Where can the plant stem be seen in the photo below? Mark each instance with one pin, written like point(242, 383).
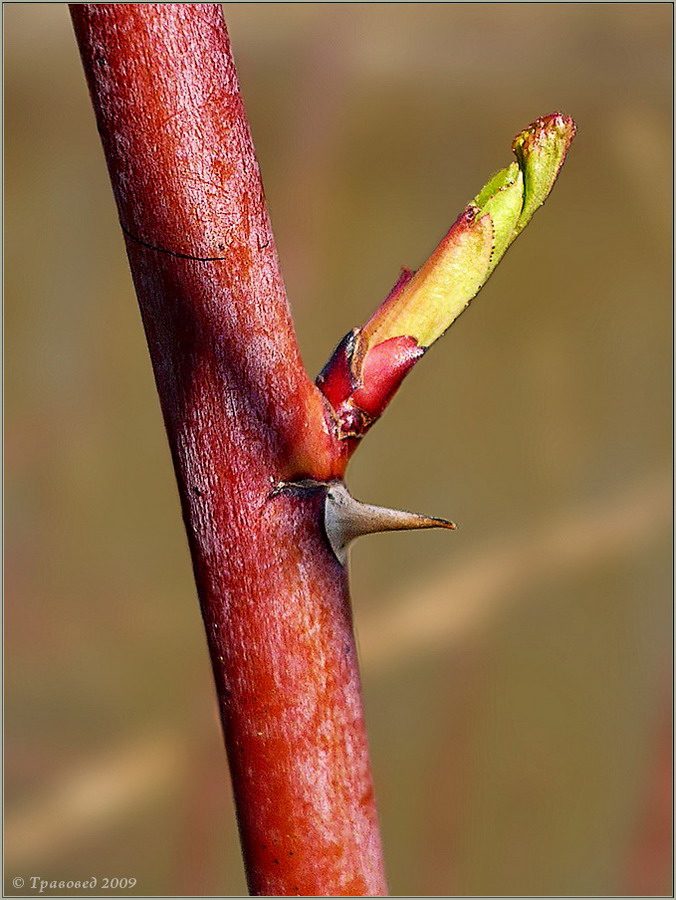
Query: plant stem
point(241, 415)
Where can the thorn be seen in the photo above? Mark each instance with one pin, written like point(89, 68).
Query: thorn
point(346, 519)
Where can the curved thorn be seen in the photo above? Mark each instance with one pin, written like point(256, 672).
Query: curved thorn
point(346, 519)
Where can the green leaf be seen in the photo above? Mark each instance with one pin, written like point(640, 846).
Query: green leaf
point(424, 305)
point(441, 289)
point(541, 150)
point(502, 200)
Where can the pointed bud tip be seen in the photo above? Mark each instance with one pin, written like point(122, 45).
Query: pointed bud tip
point(556, 124)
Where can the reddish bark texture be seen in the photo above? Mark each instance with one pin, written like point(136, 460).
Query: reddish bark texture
point(240, 414)
point(650, 856)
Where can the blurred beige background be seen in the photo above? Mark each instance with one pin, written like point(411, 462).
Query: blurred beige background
point(517, 673)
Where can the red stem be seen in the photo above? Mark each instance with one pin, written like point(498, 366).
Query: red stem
point(240, 414)
point(651, 850)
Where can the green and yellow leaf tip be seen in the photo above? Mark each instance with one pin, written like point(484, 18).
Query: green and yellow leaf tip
point(426, 304)
point(541, 150)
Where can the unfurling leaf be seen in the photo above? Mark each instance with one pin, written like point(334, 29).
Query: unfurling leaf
point(369, 364)
point(541, 150)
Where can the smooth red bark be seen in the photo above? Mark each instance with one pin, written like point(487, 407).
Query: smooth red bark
point(241, 415)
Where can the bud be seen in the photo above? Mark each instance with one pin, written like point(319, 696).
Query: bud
point(369, 364)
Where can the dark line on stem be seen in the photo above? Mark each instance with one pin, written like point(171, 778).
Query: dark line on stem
point(132, 237)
